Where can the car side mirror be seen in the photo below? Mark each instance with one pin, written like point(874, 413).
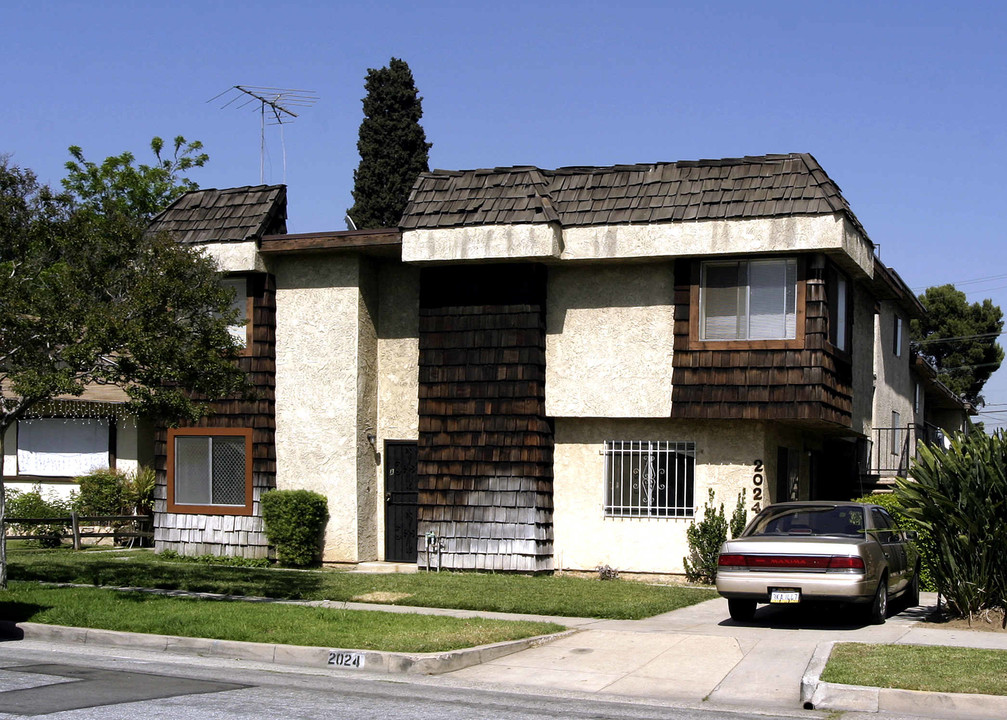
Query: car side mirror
point(912, 535)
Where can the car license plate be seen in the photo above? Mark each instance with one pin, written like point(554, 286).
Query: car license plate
point(784, 596)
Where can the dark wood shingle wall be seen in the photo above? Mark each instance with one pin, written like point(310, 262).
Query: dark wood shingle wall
point(485, 445)
point(224, 534)
point(808, 383)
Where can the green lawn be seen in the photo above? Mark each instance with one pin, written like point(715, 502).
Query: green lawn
point(536, 595)
point(255, 622)
point(919, 667)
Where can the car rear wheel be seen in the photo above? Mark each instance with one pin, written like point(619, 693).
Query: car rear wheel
point(913, 592)
point(879, 606)
point(741, 610)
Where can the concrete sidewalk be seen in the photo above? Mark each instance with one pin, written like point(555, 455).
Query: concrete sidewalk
point(699, 655)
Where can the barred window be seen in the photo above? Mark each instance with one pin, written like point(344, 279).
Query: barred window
point(649, 478)
point(210, 470)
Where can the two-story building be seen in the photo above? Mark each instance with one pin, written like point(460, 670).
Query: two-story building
point(544, 369)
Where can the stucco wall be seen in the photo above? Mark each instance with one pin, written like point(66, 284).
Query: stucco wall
point(719, 237)
point(398, 352)
point(894, 383)
point(863, 350)
point(584, 538)
point(485, 242)
point(322, 345)
point(236, 256)
point(398, 369)
point(610, 334)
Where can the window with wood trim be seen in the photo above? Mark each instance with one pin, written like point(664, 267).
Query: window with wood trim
point(210, 471)
point(242, 305)
point(650, 478)
point(748, 300)
point(837, 289)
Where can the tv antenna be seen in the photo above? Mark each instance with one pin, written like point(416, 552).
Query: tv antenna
point(279, 102)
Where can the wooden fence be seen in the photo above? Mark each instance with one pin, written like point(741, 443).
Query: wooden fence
point(141, 527)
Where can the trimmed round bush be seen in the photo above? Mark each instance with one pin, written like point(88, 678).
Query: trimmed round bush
point(294, 522)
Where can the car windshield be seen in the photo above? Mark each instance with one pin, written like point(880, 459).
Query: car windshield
point(809, 520)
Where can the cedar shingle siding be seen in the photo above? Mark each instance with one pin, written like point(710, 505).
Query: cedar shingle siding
point(233, 215)
point(485, 445)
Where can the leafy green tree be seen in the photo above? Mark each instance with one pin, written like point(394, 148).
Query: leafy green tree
point(88, 298)
point(392, 144)
point(118, 187)
point(959, 339)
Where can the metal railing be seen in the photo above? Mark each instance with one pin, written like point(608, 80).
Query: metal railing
point(891, 449)
point(142, 527)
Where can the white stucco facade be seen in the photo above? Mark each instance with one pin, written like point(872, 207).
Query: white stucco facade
point(727, 453)
point(325, 395)
point(235, 256)
point(610, 335)
point(483, 242)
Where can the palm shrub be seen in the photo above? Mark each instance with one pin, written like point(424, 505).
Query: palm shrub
point(891, 503)
point(959, 498)
point(294, 520)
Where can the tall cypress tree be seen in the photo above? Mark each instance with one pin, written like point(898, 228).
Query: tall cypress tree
point(393, 147)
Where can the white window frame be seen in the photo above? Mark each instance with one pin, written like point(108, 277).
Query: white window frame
point(745, 330)
point(661, 475)
point(897, 340)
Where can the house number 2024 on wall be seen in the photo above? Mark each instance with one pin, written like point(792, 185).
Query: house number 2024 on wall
point(758, 480)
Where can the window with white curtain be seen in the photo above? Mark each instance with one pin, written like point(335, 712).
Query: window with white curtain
point(749, 300)
point(62, 447)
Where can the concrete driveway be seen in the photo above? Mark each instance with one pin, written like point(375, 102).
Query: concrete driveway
point(695, 654)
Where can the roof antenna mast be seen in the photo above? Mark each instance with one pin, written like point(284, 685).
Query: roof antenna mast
point(279, 102)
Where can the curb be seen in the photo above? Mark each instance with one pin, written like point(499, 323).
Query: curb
point(294, 655)
point(818, 695)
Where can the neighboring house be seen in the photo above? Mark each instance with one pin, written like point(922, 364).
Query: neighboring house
point(544, 369)
point(70, 436)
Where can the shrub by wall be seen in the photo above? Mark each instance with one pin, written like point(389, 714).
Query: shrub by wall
point(294, 521)
point(100, 492)
point(890, 502)
point(33, 504)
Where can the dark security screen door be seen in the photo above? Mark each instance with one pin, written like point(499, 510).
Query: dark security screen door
point(400, 501)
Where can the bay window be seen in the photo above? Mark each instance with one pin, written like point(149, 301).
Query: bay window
point(749, 300)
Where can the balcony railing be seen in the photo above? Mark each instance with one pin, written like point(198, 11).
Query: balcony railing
point(891, 449)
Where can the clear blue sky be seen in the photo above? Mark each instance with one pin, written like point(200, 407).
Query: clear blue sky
point(903, 104)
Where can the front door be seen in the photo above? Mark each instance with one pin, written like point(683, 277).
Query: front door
point(400, 501)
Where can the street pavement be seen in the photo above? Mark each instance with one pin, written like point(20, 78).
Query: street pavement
point(692, 657)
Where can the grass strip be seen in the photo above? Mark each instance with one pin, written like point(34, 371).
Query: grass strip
point(934, 668)
point(535, 595)
point(256, 622)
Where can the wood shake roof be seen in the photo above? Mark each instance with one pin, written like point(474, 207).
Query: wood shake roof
point(230, 215)
point(732, 188)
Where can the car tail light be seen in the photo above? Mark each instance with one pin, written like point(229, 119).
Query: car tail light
point(834, 563)
point(842, 563)
point(731, 561)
